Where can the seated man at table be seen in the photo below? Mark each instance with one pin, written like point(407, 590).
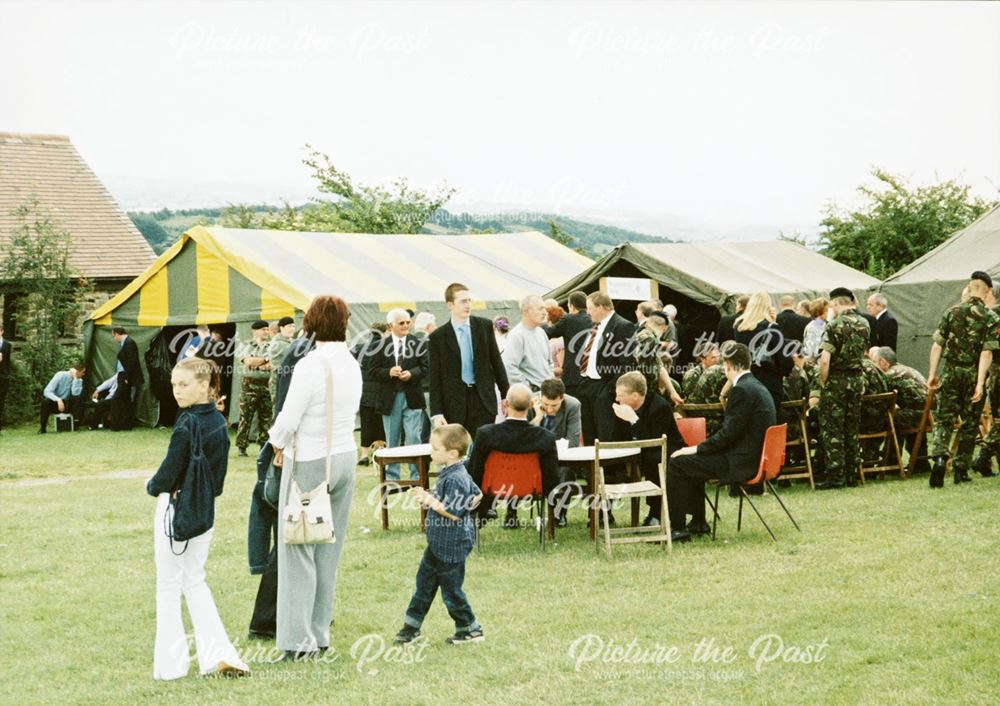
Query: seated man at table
point(515, 435)
point(732, 454)
point(644, 414)
point(560, 414)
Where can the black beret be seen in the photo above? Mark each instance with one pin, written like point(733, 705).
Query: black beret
point(983, 277)
point(841, 292)
point(285, 320)
point(659, 315)
point(259, 324)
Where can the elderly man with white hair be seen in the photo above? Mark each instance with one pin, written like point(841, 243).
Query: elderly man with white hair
point(398, 365)
point(527, 356)
point(886, 328)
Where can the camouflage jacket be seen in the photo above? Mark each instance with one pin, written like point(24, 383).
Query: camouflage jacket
point(876, 382)
point(965, 331)
point(796, 385)
point(910, 386)
point(276, 352)
point(846, 339)
point(709, 387)
point(252, 349)
point(690, 380)
point(646, 350)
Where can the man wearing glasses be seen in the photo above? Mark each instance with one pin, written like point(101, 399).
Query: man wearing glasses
point(398, 365)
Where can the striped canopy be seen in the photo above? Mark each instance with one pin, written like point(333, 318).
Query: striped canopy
point(215, 275)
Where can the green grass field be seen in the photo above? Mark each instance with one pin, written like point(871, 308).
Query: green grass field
point(891, 590)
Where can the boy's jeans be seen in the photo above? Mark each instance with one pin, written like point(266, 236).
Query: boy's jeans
point(449, 576)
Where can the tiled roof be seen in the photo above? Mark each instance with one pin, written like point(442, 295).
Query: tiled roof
point(105, 242)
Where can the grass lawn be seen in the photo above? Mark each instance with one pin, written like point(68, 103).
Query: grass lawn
point(891, 589)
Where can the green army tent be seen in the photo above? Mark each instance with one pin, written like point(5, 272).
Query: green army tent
point(703, 280)
point(222, 275)
point(921, 292)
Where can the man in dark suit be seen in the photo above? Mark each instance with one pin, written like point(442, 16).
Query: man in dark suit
point(644, 414)
point(792, 324)
point(398, 365)
point(129, 379)
point(885, 329)
point(608, 352)
point(574, 328)
point(732, 454)
point(559, 413)
point(4, 372)
point(724, 331)
point(465, 364)
point(515, 435)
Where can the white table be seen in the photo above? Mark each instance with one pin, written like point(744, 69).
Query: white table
point(582, 457)
point(420, 454)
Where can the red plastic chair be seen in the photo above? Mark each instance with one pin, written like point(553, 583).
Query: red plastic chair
point(772, 458)
point(518, 476)
point(693, 430)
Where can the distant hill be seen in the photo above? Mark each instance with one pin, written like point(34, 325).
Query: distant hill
point(162, 228)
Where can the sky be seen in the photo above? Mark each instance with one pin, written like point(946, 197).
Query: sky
point(651, 115)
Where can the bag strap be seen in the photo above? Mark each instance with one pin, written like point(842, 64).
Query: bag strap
point(329, 418)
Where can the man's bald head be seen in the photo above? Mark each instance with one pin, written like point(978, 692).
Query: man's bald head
point(518, 400)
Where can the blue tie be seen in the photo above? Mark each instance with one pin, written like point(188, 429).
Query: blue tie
point(550, 423)
point(465, 346)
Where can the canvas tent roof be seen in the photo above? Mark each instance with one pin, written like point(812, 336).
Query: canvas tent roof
point(714, 274)
point(218, 275)
point(921, 292)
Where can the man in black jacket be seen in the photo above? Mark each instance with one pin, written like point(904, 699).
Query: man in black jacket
point(644, 414)
point(465, 364)
point(515, 435)
point(398, 365)
point(724, 332)
point(608, 352)
point(732, 454)
point(574, 328)
point(4, 372)
point(791, 323)
point(129, 379)
point(885, 330)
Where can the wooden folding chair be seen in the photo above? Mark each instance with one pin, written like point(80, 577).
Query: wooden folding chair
point(798, 409)
point(885, 405)
point(606, 493)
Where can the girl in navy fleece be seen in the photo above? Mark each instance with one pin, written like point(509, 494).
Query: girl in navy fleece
point(181, 569)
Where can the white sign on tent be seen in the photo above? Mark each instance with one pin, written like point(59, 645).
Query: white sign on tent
point(629, 288)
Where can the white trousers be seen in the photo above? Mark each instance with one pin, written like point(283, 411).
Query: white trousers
point(185, 574)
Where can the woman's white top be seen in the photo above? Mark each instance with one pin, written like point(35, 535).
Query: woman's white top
point(303, 416)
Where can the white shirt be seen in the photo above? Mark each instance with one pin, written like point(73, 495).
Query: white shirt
point(303, 417)
point(397, 346)
point(737, 380)
point(591, 371)
point(879, 315)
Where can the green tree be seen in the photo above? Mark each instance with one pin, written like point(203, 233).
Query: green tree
point(397, 208)
point(35, 266)
point(897, 223)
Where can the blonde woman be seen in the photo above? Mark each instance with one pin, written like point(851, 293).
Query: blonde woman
point(770, 360)
point(813, 336)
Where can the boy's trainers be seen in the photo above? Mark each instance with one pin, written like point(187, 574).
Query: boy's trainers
point(463, 637)
point(407, 634)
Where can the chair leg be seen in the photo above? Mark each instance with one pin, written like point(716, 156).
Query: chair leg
point(479, 548)
point(782, 503)
point(541, 529)
point(607, 527)
point(715, 512)
point(715, 508)
point(739, 518)
point(759, 516)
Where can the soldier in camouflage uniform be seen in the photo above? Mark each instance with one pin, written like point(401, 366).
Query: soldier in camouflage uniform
point(276, 351)
point(845, 341)
point(707, 391)
point(255, 399)
point(648, 353)
point(991, 444)
point(964, 343)
point(709, 357)
point(873, 417)
point(911, 395)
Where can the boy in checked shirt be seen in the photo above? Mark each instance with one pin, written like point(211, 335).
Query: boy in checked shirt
point(450, 536)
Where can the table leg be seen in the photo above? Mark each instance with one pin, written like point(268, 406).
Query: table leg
point(383, 494)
